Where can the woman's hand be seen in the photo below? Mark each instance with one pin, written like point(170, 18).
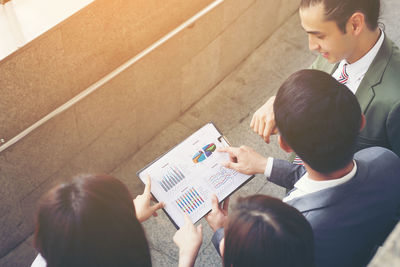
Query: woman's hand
point(142, 203)
point(188, 239)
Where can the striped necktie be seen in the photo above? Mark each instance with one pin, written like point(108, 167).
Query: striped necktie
point(344, 77)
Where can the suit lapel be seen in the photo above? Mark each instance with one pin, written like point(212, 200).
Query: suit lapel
point(331, 196)
point(365, 92)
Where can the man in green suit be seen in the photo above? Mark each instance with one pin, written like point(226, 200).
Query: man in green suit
point(355, 51)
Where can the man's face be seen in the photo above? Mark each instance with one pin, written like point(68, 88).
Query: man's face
point(324, 36)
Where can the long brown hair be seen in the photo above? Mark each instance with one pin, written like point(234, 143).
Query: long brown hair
point(90, 221)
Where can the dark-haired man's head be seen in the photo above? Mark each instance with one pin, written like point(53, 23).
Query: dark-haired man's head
point(319, 119)
point(90, 221)
point(334, 27)
point(340, 11)
point(264, 231)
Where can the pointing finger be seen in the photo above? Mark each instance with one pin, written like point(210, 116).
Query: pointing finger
point(187, 220)
point(253, 120)
point(224, 149)
point(255, 128)
point(232, 151)
point(267, 132)
point(147, 188)
point(232, 165)
point(158, 206)
point(214, 203)
point(261, 127)
point(200, 229)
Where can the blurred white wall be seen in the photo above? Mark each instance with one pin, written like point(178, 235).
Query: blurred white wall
point(21, 21)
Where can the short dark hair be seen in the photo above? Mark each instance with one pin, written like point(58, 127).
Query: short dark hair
point(341, 10)
point(319, 118)
point(90, 221)
point(264, 231)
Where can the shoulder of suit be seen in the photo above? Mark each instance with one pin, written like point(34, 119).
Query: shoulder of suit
point(389, 57)
point(378, 154)
point(393, 46)
point(390, 52)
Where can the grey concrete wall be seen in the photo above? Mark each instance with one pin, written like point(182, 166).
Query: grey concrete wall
point(123, 115)
point(78, 52)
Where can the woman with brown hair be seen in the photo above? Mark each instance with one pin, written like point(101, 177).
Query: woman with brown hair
point(92, 221)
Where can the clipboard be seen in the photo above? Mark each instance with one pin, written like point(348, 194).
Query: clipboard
point(186, 176)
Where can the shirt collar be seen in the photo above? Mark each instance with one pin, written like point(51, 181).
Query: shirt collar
point(308, 185)
point(358, 69)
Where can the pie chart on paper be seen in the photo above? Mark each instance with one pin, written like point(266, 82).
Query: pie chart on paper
point(204, 153)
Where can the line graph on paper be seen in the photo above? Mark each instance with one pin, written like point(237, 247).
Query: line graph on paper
point(222, 177)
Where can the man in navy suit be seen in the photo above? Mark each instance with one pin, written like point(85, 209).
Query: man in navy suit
point(351, 200)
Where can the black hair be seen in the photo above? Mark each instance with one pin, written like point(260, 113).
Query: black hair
point(264, 231)
point(319, 118)
point(90, 221)
point(341, 10)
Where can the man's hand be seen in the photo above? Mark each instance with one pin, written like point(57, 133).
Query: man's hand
point(263, 121)
point(244, 160)
point(188, 239)
point(142, 203)
point(217, 217)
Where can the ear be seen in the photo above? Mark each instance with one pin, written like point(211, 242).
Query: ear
point(282, 143)
point(356, 23)
point(363, 122)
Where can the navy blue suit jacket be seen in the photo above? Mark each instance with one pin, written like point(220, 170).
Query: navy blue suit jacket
point(350, 220)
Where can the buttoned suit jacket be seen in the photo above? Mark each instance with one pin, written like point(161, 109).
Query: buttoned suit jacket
point(350, 220)
point(379, 97)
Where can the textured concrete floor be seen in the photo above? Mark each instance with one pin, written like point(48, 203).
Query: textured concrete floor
point(230, 106)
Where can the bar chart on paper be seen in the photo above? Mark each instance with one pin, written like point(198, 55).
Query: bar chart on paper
point(190, 201)
point(186, 177)
point(171, 177)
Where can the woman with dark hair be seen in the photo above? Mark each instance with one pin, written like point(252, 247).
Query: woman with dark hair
point(261, 231)
point(92, 221)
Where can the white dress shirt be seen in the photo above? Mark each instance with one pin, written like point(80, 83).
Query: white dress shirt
point(305, 185)
point(357, 70)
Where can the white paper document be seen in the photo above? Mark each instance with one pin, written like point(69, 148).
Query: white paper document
point(186, 177)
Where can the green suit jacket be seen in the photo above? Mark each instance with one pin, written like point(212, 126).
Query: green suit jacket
point(379, 98)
